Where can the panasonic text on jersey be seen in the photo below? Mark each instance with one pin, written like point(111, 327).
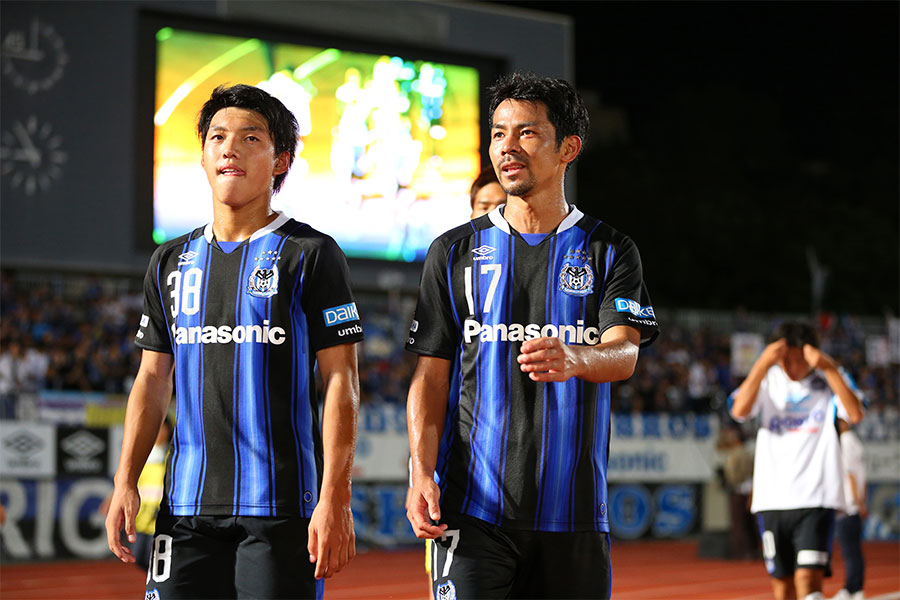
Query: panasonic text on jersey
point(517, 332)
point(225, 334)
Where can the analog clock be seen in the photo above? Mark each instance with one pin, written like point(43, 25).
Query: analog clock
point(33, 59)
point(31, 155)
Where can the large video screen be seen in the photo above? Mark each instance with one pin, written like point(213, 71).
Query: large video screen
point(390, 141)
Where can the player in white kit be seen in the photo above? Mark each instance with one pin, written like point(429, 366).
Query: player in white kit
point(797, 391)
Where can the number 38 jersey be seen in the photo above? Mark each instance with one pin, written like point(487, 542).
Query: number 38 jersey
point(244, 328)
point(515, 452)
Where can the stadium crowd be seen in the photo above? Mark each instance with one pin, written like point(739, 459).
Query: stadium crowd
point(76, 333)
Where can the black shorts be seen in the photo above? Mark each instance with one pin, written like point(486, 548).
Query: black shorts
point(796, 539)
point(474, 559)
point(231, 557)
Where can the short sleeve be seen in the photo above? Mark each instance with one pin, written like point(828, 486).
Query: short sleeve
point(153, 332)
point(434, 330)
point(626, 300)
point(326, 297)
point(841, 410)
point(762, 397)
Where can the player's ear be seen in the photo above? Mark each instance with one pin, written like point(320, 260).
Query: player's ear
point(281, 163)
point(571, 147)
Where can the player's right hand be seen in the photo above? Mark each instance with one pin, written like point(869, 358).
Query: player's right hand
point(123, 508)
point(774, 352)
point(423, 507)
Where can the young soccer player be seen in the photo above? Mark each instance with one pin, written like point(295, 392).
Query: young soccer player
point(524, 316)
point(796, 390)
point(257, 500)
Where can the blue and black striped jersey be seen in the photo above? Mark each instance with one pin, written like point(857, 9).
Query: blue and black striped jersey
point(244, 328)
point(515, 452)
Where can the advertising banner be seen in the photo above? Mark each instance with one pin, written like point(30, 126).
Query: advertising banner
point(27, 449)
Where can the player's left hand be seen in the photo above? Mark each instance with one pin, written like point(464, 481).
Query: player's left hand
point(332, 542)
point(816, 358)
point(548, 359)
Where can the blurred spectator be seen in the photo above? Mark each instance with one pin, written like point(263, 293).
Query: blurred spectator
point(76, 332)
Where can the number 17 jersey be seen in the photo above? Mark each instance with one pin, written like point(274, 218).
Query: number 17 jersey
point(515, 452)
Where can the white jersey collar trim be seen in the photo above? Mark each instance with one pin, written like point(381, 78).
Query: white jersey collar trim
point(499, 221)
point(278, 222)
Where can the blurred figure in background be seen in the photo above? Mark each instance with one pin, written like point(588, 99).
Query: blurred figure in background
point(795, 389)
point(849, 525)
point(738, 471)
point(486, 193)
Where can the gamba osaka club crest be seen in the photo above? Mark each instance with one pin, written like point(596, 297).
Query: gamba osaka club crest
point(576, 279)
point(263, 281)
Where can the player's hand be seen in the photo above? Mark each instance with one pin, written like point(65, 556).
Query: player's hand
point(548, 359)
point(332, 541)
point(773, 353)
point(816, 358)
point(123, 508)
point(422, 508)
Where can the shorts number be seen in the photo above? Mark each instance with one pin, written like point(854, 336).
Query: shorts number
point(453, 536)
point(768, 544)
point(160, 559)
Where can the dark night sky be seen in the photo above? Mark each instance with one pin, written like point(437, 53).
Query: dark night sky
point(756, 130)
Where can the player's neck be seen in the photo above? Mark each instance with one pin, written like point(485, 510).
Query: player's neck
point(535, 215)
point(235, 224)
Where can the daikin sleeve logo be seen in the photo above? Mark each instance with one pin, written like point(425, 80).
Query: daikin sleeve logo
point(340, 314)
point(635, 308)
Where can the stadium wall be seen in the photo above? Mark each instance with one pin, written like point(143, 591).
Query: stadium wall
point(56, 473)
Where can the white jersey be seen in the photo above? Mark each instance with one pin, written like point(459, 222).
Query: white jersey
point(798, 460)
point(852, 452)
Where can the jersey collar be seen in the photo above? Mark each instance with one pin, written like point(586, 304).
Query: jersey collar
point(278, 222)
point(497, 218)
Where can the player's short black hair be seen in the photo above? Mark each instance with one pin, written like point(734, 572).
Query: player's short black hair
point(796, 334)
point(283, 126)
point(565, 108)
point(484, 178)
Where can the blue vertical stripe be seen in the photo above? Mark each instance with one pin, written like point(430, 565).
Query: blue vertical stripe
point(309, 479)
point(474, 450)
point(562, 404)
point(236, 405)
point(449, 422)
point(545, 430)
point(487, 438)
point(510, 364)
point(273, 490)
point(602, 414)
point(188, 470)
point(299, 391)
point(255, 488)
point(199, 383)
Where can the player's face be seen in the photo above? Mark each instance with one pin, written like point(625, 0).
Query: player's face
point(794, 364)
point(487, 199)
point(239, 158)
point(524, 150)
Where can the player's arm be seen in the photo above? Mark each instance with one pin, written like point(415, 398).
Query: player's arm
point(613, 359)
point(426, 409)
point(332, 542)
point(745, 395)
point(819, 360)
point(147, 406)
